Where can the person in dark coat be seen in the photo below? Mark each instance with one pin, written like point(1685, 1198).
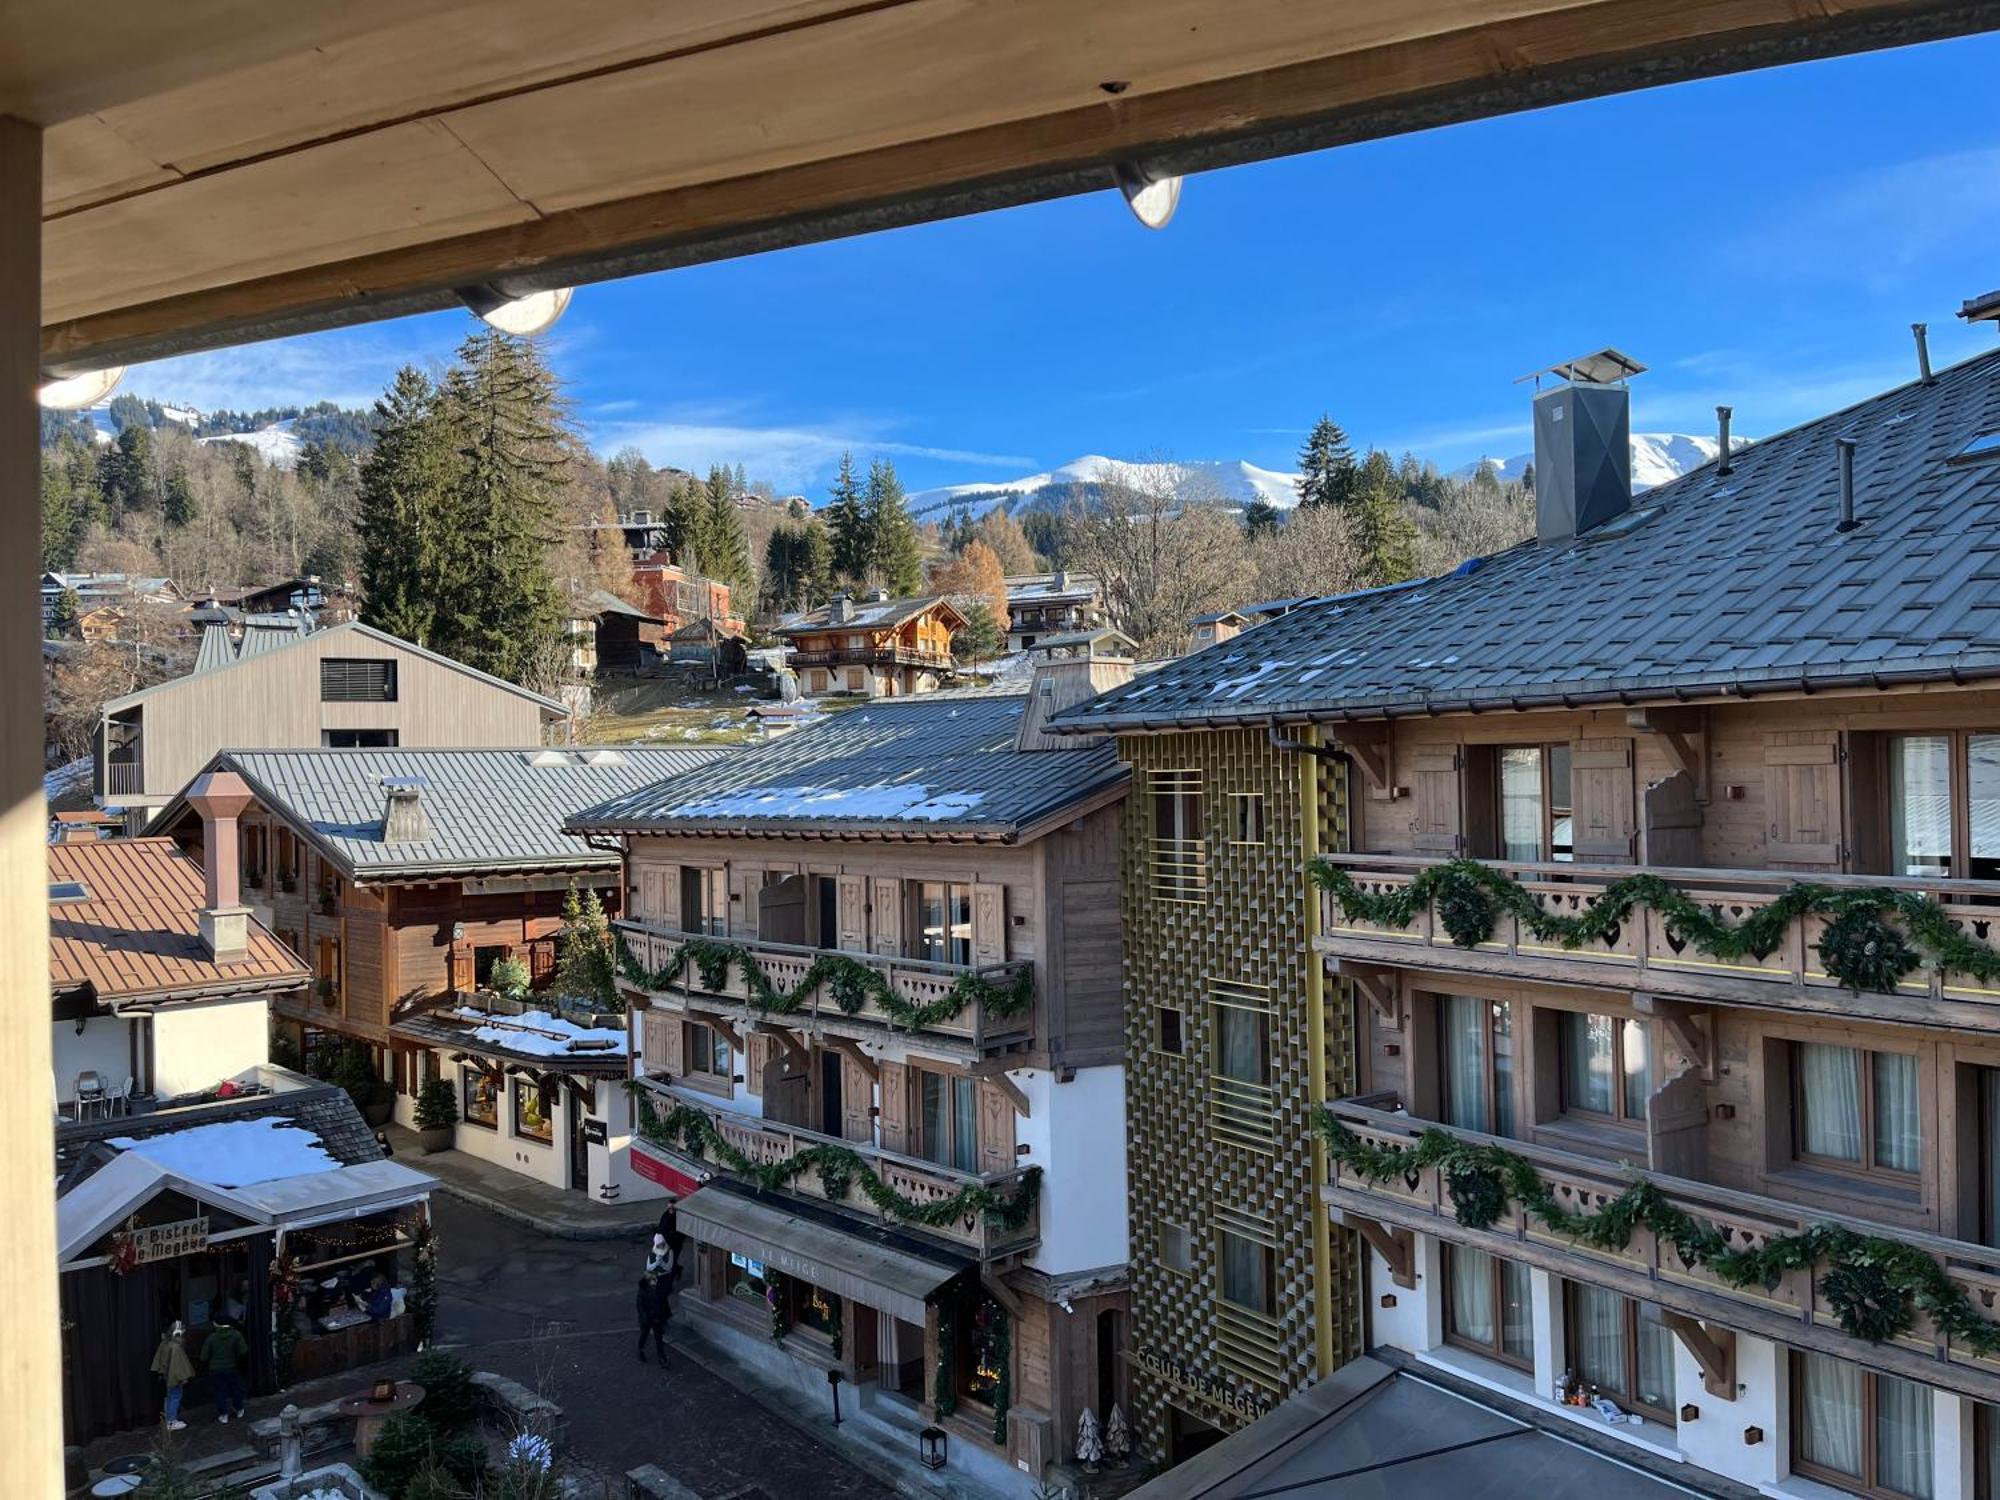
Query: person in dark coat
point(225, 1354)
point(653, 1315)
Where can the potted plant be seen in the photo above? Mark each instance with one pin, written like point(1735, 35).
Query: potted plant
point(355, 1072)
point(437, 1113)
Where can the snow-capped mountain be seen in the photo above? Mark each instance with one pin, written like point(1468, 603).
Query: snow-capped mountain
point(1230, 480)
point(278, 444)
point(1656, 458)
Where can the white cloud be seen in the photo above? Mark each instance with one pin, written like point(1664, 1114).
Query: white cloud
point(350, 367)
point(790, 457)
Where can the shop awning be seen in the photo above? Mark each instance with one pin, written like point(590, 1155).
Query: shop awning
point(323, 1197)
point(103, 1201)
point(840, 1261)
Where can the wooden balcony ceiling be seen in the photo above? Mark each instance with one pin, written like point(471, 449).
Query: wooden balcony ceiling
point(232, 170)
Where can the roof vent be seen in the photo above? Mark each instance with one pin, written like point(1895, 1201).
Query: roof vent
point(404, 820)
point(1583, 444)
point(601, 757)
point(546, 758)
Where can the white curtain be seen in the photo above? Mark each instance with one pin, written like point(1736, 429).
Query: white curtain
point(1599, 1336)
point(1465, 1096)
point(964, 1124)
point(1587, 1061)
point(1898, 1137)
point(1521, 803)
point(1517, 1325)
point(1920, 803)
point(1656, 1361)
point(1830, 1097)
point(1635, 1043)
point(1240, 1044)
point(1829, 1395)
point(1502, 1016)
point(1903, 1436)
point(1471, 1294)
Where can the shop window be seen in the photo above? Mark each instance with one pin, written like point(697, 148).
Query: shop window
point(1175, 1252)
point(1246, 817)
point(1169, 1030)
point(1619, 1348)
point(704, 900)
point(948, 1120)
point(944, 922)
point(1856, 1110)
point(1863, 1432)
point(1487, 1306)
point(1179, 856)
point(531, 1113)
point(978, 1350)
point(709, 1054)
point(1606, 1066)
point(1476, 1063)
point(812, 1308)
point(746, 1278)
point(482, 1098)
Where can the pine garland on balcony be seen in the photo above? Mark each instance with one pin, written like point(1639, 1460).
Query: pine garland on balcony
point(852, 983)
point(1862, 946)
point(688, 1129)
point(1874, 1285)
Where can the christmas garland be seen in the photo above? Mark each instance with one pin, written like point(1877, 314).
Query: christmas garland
point(852, 984)
point(1873, 1285)
point(839, 1168)
point(284, 1307)
point(423, 1296)
point(774, 1298)
point(1862, 946)
point(1001, 1346)
point(944, 1387)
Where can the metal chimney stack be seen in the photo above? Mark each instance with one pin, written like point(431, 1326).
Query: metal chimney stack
point(1583, 445)
point(1922, 332)
point(1722, 460)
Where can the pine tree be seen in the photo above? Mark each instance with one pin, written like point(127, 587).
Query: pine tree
point(1260, 519)
point(177, 499)
point(411, 552)
point(65, 613)
point(847, 524)
point(1326, 466)
point(584, 965)
point(895, 558)
point(798, 566)
point(1384, 535)
point(62, 514)
point(982, 637)
point(129, 480)
point(681, 521)
point(724, 553)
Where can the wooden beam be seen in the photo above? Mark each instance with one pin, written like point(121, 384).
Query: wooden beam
point(1367, 745)
point(1713, 1348)
point(786, 1039)
point(1396, 1246)
point(1692, 1027)
point(1000, 1292)
point(1014, 1094)
point(1677, 728)
point(1380, 987)
point(722, 1024)
point(850, 1049)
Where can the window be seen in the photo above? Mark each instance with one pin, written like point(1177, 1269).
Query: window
point(1606, 1067)
point(1247, 1270)
point(1986, 1449)
point(253, 856)
point(1179, 855)
point(1477, 1067)
point(746, 1279)
point(358, 739)
point(1987, 1083)
point(1935, 830)
point(1242, 1104)
point(1535, 821)
point(1168, 1029)
point(482, 1098)
point(704, 900)
point(811, 1308)
point(948, 1120)
point(944, 922)
point(1487, 1306)
point(356, 680)
point(531, 1117)
point(1620, 1348)
point(1175, 1252)
point(709, 1054)
point(1855, 1110)
point(1242, 1043)
point(1247, 822)
point(1866, 1433)
point(484, 959)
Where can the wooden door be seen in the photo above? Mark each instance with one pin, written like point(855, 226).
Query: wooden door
point(895, 1116)
point(996, 1130)
point(887, 926)
point(857, 1101)
point(1604, 815)
point(1802, 787)
point(853, 914)
point(989, 924)
point(1436, 823)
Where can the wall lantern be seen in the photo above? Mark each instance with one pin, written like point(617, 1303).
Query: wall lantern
point(930, 1447)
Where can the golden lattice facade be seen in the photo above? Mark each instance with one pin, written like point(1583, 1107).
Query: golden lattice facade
point(1218, 920)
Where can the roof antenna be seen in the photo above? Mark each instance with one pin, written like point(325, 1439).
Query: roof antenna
point(1843, 447)
point(1923, 333)
point(1722, 416)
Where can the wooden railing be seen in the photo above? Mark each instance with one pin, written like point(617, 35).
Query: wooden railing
point(1585, 1183)
point(915, 980)
point(871, 656)
point(1642, 952)
point(768, 1142)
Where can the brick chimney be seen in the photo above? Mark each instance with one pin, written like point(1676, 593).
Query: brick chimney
point(220, 797)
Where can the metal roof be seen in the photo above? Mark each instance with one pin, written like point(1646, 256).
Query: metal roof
point(1713, 584)
point(930, 767)
point(488, 810)
point(871, 614)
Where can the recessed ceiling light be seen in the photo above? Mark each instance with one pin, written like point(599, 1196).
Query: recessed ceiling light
point(1152, 197)
point(533, 313)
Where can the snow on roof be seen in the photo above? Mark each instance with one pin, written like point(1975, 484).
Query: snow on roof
point(909, 801)
point(234, 1153)
point(541, 1034)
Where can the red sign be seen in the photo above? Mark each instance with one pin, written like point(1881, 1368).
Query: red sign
point(658, 1169)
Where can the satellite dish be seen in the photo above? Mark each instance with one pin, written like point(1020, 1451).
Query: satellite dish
point(74, 392)
point(533, 313)
point(1151, 197)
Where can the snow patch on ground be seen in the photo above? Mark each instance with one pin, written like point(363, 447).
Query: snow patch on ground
point(277, 444)
point(912, 802)
point(235, 1153)
point(67, 779)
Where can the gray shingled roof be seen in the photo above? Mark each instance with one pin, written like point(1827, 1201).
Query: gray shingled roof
point(1714, 583)
point(489, 810)
point(874, 614)
point(936, 766)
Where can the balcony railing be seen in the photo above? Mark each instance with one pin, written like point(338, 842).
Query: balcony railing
point(124, 778)
point(871, 656)
point(768, 1142)
point(1643, 952)
point(1648, 1267)
point(918, 982)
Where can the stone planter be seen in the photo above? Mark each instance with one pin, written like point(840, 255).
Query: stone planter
point(334, 1479)
point(436, 1138)
point(378, 1112)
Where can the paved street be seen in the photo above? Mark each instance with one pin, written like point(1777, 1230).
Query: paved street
point(557, 1315)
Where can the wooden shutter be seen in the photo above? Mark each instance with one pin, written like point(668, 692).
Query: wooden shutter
point(541, 959)
point(853, 914)
point(661, 1045)
point(989, 924)
point(857, 1100)
point(1604, 820)
point(462, 975)
point(894, 1120)
point(1436, 826)
point(1802, 787)
point(651, 906)
point(756, 1057)
point(996, 1130)
point(887, 926)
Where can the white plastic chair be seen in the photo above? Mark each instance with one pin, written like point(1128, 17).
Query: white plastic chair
point(118, 1098)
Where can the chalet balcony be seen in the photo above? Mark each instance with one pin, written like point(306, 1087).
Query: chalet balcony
point(1645, 953)
point(871, 656)
point(770, 1141)
point(1793, 1311)
point(915, 981)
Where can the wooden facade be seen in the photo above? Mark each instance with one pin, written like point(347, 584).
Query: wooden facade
point(890, 660)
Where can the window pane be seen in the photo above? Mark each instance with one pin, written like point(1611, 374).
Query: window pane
point(1561, 838)
point(935, 1133)
point(1599, 1336)
point(1587, 1061)
point(1897, 1136)
point(958, 907)
point(1989, 1157)
point(1920, 804)
point(1521, 803)
point(1902, 1436)
point(1245, 1273)
point(1471, 1294)
point(930, 919)
point(1240, 1044)
point(1829, 1397)
point(1982, 757)
point(1829, 1101)
point(1503, 1067)
point(1635, 1048)
point(1656, 1361)
point(1517, 1326)
point(1465, 1097)
point(964, 1125)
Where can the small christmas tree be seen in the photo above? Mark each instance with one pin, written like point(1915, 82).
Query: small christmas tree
point(1089, 1445)
point(1117, 1435)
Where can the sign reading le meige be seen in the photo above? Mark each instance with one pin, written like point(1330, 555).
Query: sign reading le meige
point(1205, 1387)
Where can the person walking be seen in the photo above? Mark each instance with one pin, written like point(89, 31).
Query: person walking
point(660, 1259)
point(224, 1354)
point(653, 1315)
point(171, 1364)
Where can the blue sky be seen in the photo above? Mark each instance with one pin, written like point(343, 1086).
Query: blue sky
point(1763, 240)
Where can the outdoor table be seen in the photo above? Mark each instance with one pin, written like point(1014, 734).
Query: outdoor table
point(369, 1414)
point(131, 1463)
point(116, 1484)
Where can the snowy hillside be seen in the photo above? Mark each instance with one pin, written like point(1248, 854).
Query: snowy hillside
point(278, 444)
point(1231, 480)
point(1656, 458)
